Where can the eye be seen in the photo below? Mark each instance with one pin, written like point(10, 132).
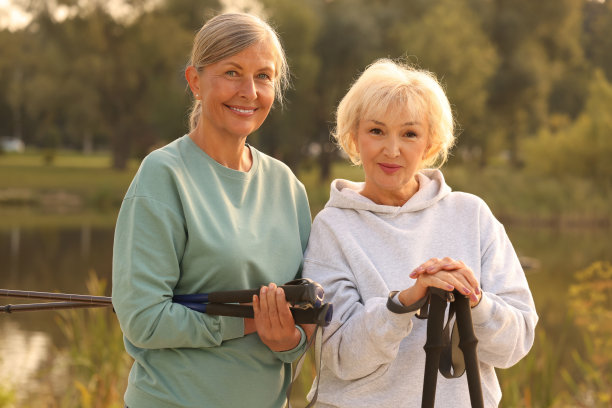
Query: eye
point(376, 131)
point(231, 73)
point(264, 76)
point(410, 134)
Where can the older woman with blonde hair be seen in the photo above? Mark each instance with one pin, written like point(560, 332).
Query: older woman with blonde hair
point(209, 213)
point(379, 245)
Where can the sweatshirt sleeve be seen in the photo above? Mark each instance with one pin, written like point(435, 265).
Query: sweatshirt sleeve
point(363, 336)
point(149, 241)
point(505, 319)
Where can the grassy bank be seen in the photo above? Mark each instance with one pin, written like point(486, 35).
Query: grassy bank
point(38, 191)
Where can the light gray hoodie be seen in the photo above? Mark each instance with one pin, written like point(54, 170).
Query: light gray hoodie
point(360, 251)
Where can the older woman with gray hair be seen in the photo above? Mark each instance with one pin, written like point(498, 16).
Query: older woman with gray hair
point(379, 245)
point(199, 218)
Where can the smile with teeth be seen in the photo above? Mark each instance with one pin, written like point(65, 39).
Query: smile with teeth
point(241, 110)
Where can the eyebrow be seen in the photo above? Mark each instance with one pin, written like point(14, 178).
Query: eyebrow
point(403, 124)
point(264, 68)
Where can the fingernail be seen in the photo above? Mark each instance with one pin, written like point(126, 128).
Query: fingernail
point(413, 274)
point(450, 287)
point(264, 290)
point(477, 290)
point(466, 291)
point(279, 292)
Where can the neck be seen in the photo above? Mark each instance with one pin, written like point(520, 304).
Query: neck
point(229, 152)
point(394, 198)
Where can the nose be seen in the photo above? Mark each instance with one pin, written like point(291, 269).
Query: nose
point(247, 89)
point(392, 146)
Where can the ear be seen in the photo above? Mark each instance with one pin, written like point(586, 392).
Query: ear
point(193, 79)
point(353, 137)
point(431, 150)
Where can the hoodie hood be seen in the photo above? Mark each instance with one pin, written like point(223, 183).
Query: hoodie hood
point(432, 188)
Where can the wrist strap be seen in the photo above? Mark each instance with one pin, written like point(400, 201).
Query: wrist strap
point(394, 307)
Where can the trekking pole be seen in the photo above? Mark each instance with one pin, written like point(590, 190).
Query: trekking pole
point(433, 345)
point(439, 343)
point(467, 344)
point(305, 296)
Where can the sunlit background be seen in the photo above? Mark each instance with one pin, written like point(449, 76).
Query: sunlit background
point(89, 87)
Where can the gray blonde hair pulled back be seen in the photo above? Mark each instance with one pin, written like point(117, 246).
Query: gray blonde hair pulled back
point(228, 34)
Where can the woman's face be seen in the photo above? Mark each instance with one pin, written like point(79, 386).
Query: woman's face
point(237, 92)
point(392, 147)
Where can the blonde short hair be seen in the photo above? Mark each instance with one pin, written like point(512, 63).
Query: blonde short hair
point(228, 34)
point(386, 86)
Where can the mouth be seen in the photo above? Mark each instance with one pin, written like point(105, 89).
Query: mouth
point(389, 168)
point(241, 110)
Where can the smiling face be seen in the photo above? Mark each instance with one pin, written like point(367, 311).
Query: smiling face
point(392, 147)
point(236, 92)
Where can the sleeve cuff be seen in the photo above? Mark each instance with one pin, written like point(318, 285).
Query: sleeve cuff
point(289, 356)
point(482, 311)
point(395, 306)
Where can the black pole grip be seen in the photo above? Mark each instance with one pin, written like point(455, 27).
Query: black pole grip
point(296, 292)
point(316, 315)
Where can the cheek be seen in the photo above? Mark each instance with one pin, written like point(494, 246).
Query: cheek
point(266, 96)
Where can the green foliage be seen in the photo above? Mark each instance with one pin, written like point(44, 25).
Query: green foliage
point(582, 148)
point(7, 397)
point(96, 80)
point(590, 303)
point(534, 382)
point(98, 363)
point(466, 81)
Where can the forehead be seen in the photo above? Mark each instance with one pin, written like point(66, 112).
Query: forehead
point(261, 55)
point(396, 113)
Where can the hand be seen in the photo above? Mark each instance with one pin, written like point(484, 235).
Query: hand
point(273, 319)
point(447, 274)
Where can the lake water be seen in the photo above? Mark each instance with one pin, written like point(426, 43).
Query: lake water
point(60, 259)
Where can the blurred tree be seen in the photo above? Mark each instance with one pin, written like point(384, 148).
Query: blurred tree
point(510, 68)
point(12, 70)
point(582, 148)
point(598, 34)
point(190, 14)
point(287, 131)
point(535, 41)
point(350, 38)
point(449, 41)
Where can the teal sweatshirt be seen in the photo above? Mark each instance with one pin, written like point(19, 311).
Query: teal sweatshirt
point(190, 225)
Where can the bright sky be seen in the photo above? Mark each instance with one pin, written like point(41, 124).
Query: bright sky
point(11, 17)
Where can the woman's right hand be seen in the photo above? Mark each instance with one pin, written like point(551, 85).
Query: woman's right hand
point(446, 274)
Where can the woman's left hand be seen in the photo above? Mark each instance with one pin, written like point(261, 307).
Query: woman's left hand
point(273, 319)
point(464, 278)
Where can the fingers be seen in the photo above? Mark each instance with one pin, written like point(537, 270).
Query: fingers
point(273, 319)
point(435, 265)
point(450, 280)
point(449, 274)
point(272, 307)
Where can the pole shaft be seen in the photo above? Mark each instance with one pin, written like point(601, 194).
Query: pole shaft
point(433, 348)
point(55, 296)
point(47, 306)
point(467, 344)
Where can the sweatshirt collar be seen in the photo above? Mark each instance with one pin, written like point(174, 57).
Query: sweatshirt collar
point(432, 188)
